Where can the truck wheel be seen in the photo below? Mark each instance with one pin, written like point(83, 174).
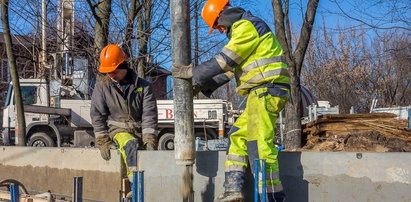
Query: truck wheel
point(41, 139)
point(166, 142)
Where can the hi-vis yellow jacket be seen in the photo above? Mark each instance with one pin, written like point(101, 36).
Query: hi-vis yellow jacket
point(253, 55)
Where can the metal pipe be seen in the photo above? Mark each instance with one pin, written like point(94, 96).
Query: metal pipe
point(78, 189)
point(263, 197)
point(182, 88)
point(14, 193)
point(140, 186)
point(256, 180)
point(184, 151)
point(256, 162)
point(134, 187)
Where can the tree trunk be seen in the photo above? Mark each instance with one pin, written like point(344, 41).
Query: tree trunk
point(135, 8)
point(21, 127)
point(144, 31)
point(294, 60)
point(292, 135)
point(101, 27)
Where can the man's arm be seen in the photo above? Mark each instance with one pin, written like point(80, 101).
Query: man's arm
point(149, 117)
point(241, 45)
point(215, 82)
point(99, 112)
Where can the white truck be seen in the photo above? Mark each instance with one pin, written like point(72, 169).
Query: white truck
point(69, 124)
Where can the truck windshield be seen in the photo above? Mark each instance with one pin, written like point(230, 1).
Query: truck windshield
point(29, 95)
point(8, 96)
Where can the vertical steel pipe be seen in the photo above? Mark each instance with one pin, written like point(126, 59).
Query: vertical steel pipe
point(182, 88)
point(134, 187)
point(14, 193)
point(78, 189)
point(263, 193)
point(140, 186)
point(256, 172)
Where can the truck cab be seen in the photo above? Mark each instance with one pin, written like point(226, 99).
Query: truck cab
point(33, 92)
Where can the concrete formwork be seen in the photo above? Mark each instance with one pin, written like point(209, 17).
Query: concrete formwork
point(306, 176)
point(43, 169)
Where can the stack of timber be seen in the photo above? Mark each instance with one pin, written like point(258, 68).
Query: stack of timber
point(378, 132)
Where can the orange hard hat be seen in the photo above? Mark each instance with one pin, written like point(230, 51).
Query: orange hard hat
point(211, 11)
point(110, 58)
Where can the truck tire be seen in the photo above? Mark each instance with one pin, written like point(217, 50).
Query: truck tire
point(166, 142)
point(41, 139)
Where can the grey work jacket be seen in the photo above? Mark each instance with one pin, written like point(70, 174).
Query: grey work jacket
point(133, 111)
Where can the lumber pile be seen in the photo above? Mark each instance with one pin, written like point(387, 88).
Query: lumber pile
point(378, 132)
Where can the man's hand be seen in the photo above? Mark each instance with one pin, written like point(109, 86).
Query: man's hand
point(104, 144)
point(182, 71)
point(150, 141)
point(196, 89)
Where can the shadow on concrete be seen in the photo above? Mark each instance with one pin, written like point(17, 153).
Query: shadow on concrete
point(205, 168)
point(292, 176)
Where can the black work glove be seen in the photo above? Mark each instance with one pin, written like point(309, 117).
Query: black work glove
point(104, 144)
point(196, 89)
point(150, 141)
point(182, 71)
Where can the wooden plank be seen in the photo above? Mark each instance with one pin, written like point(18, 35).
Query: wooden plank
point(47, 110)
point(358, 116)
point(6, 196)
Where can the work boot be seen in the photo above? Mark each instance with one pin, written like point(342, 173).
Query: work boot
point(230, 197)
point(129, 195)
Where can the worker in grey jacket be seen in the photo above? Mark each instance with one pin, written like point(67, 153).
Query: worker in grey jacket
point(123, 109)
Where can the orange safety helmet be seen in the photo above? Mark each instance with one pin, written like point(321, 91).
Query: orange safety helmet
point(211, 11)
point(110, 58)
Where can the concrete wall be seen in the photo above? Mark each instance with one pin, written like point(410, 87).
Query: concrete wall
point(53, 169)
point(306, 176)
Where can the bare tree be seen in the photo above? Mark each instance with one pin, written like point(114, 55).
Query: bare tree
point(135, 7)
point(21, 133)
point(294, 59)
point(376, 14)
point(349, 69)
point(101, 11)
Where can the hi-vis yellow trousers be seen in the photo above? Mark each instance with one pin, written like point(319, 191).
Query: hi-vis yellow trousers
point(128, 146)
point(252, 137)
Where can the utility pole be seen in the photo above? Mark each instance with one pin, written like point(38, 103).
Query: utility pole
point(183, 94)
point(45, 72)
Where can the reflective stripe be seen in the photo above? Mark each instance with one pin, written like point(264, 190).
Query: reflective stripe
point(137, 90)
point(125, 125)
point(272, 176)
point(235, 167)
point(150, 130)
point(229, 74)
point(222, 63)
point(100, 133)
point(130, 169)
point(232, 157)
point(231, 54)
point(261, 62)
point(254, 81)
point(274, 188)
